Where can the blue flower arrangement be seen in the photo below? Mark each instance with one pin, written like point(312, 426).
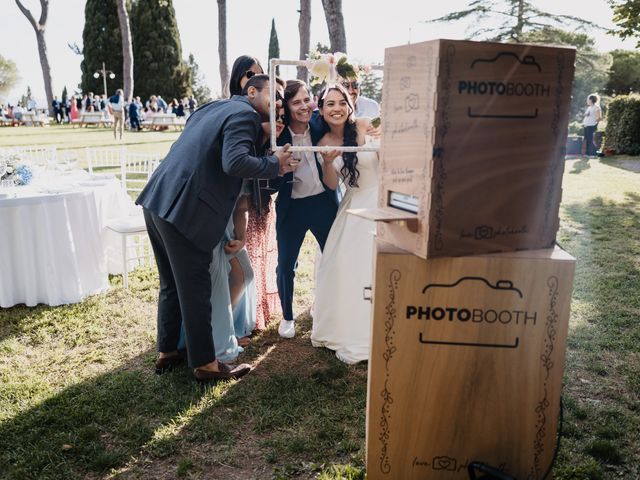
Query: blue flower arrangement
point(22, 175)
point(13, 171)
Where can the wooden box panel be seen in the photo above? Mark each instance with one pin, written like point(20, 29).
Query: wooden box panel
point(476, 131)
point(466, 363)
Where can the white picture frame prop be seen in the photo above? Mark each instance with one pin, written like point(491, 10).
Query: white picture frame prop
point(272, 112)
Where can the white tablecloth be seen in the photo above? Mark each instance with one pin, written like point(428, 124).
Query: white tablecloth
point(54, 247)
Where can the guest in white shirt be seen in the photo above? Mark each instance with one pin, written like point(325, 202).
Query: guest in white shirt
point(592, 116)
point(17, 112)
point(116, 108)
point(364, 107)
point(305, 202)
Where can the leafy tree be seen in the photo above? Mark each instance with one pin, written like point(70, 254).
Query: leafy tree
point(371, 85)
point(8, 75)
point(516, 17)
point(200, 90)
point(25, 97)
point(274, 45)
point(39, 27)
point(624, 74)
point(157, 52)
point(626, 14)
point(591, 66)
point(65, 94)
point(322, 48)
point(101, 44)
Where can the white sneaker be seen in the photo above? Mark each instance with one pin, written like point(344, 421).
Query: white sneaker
point(287, 328)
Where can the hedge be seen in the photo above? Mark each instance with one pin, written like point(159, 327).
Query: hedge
point(622, 134)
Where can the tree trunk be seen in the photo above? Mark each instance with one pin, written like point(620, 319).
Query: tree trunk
point(520, 25)
point(127, 50)
point(39, 28)
point(304, 27)
point(222, 47)
point(335, 24)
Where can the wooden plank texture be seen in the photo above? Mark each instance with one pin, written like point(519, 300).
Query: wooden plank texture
point(466, 363)
point(478, 131)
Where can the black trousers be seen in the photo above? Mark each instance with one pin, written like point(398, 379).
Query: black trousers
point(588, 137)
point(185, 291)
point(316, 214)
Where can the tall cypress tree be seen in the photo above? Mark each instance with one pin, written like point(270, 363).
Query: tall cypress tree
point(201, 91)
point(274, 45)
point(102, 43)
point(157, 52)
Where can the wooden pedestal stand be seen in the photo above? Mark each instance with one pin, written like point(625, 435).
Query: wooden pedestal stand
point(466, 363)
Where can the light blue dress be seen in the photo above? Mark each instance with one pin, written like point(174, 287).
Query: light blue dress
point(229, 324)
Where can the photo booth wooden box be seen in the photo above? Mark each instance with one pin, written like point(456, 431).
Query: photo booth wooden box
point(466, 363)
point(473, 143)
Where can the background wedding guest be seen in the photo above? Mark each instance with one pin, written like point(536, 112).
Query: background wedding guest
point(17, 112)
point(57, 109)
point(187, 204)
point(305, 202)
point(116, 108)
point(73, 108)
point(134, 114)
point(162, 105)
point(364, 106)
point(193, 104)
point(592, 116)
point(32, 105)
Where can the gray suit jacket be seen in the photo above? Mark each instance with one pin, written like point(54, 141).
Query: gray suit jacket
point(196, 186)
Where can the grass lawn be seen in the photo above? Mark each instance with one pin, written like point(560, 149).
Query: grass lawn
point(79, 399)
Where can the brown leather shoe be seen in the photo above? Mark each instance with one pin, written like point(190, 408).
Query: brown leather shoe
point(227, 372)
point(164, 364)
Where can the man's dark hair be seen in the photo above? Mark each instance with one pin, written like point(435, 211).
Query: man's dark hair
point(257, 81)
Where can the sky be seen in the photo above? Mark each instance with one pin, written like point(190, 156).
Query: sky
point(371, 26)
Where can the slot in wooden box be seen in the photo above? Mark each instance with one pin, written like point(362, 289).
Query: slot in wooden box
point(466, 363)
point(472, 149)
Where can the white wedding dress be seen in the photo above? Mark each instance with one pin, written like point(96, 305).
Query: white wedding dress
point(341, 316)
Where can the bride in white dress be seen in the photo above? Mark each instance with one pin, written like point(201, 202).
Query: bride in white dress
point(341, 317)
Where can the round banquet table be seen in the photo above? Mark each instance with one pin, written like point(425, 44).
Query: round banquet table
point(54, 247)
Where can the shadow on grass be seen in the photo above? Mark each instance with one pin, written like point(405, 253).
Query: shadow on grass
point(600, 439)
point(580, 165)
point(628, 163)
point(300, 405)
point(93, 426)
point(607, 248)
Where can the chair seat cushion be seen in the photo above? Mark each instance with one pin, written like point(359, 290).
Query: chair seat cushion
point(128, 224)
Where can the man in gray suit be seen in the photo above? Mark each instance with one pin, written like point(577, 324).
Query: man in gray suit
point(186, 206)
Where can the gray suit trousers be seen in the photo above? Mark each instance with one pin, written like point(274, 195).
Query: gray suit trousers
point(185, 291)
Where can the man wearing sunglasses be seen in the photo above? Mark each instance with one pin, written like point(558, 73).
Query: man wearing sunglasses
point(364, 106)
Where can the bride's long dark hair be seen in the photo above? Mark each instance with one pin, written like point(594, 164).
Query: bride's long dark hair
point(349, 168)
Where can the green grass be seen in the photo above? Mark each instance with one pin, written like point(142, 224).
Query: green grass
point(78, 398)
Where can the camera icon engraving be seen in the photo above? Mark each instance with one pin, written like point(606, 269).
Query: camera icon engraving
point(444, 463)
point(483, 232)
